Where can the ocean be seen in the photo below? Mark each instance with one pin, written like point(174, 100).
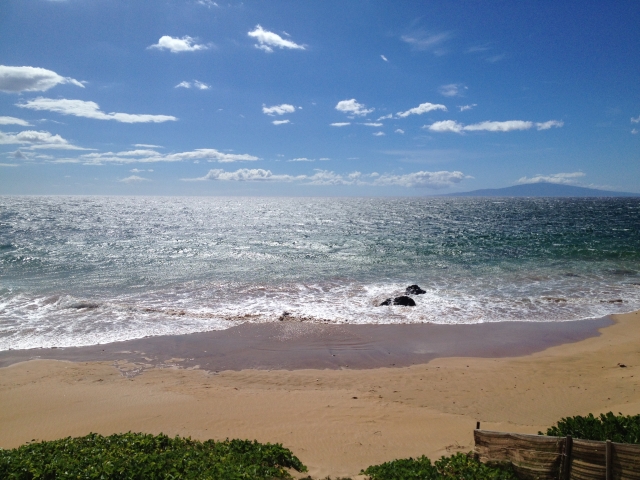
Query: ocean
point(92, 270)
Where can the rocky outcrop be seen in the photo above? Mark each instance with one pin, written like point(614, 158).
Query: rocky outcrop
point(414, 290)
point(403, 301)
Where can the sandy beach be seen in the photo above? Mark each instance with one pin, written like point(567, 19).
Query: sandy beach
point(336, 418)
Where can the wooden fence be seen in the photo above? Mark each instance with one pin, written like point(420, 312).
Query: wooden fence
point(559, 458)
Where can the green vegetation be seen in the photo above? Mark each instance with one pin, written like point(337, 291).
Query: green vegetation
point(456, 467)
point(617, 428)
point(139, 456)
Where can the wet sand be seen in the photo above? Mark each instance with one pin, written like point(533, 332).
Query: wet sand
point(294, 345)
point(337, 419)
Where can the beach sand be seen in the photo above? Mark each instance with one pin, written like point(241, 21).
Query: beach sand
point(339, 419)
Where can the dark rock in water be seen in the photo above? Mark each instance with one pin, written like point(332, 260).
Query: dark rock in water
point(414, 290)
point(81, 305)
point(404, 301)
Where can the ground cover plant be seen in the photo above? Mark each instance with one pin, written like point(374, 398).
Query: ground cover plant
point(137, 456)
point(456, 467)
point(617, 428)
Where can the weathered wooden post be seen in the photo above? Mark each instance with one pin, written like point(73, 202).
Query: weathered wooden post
point(566, 465)
point(609, 460)
point(477, 425)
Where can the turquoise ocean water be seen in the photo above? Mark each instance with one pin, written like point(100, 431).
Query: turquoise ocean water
point(88, 270)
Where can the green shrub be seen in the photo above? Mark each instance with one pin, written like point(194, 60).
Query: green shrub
point(617, 428)
point(456, 467)
point(138, 456)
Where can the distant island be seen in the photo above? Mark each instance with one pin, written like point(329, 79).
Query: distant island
point(542, 189)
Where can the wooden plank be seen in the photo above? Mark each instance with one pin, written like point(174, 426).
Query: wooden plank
point(626, 461)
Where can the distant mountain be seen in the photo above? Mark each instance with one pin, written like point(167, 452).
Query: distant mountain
point(542, 189)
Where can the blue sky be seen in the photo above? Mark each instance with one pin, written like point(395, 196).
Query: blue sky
point(195, 97)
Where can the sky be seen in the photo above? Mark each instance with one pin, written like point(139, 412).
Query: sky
point(359, 98)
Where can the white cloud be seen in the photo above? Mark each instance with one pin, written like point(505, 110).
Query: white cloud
point(549, 124)
point(324, 159)
point(139, 170)
point(352, 107)
point(8, 164)
point(464, 108)
point(81, 108)
point(19, 154)
point(278, 109)
point(146, 145)
point(386, 117)
point(37, 140)
point(150, 156)
point(563, 178)
point(635, 120)
point(245, 175)
point(280, 122)
point(134, 179)
point(340, 124)
point(302, 159)
point(507, 126)
point(384, 58)
point(200, 85)
point(400, 131)
point(422, 108)
point(432, 43)
point(445, 126)
point(183, 84)
point(177, 45)
point(634, 131)
point(207, 3)
point(372, 124)
point(14, 121)
point(422, 179)
point(31, 79)
point(267, 40)
point(451, 90)
point(488, 126)
point(379, 134)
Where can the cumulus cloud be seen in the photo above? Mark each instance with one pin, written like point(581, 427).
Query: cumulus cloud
point(464, 108)
point(280, 122)
point(178, 45)
point(635, 120)
point(634, 131)
point(278, 109)
point(372, 124)
point(302, 159)
point(379, 134)
point(37, 140)
point(352, 107)
point(507, 126)
point(267, 40)
point(562, 178)
point(384, 58)
point(445, 126)
point(489, 126)
point(422, 108)
point(196, 84)
point(400, 131)
point(422, 179)
point(150, 156)
point(81, 108)
point(340, 124)
point(386, 117)
point(14, 121)
point(549, 124)
point(452, 89)
point(428, 42)
point(245, 175)
point(31, 79)
point(134, 179)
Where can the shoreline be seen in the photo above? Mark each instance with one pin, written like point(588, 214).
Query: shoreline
point(337, 421)
point(298, 345)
